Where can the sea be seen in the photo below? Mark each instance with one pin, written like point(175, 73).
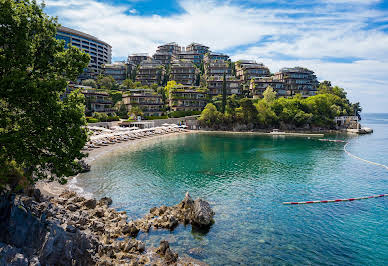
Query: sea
point(246, 178)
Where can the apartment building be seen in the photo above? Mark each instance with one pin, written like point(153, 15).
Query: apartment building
point(248, 69)
point(260, 84)
point(183, 72)
point(198, 48)
point(136, 59)
point(118, 70)
point(215, 85)
point(150, 102)
point(217, 67)
point(187, 98)
point(298, 80)
point(193, 52)
point(172, 48)
point(210, 56)
point(100, 52)
point(150, 72)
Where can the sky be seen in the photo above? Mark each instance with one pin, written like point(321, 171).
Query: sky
point(344, 41)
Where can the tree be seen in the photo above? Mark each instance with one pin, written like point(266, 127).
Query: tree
point(90, 82)
point(171, 84)
point(210, 116)
point(39, 133)
point(247, 111)
point(122, 111)
point(105, 82)
point(269, 94)
point(116, 96)
point(223, 94)
point(357, 109)
point(136, 111)
point(128, 84)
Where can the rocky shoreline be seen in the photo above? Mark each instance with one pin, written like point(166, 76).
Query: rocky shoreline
point(72, 230)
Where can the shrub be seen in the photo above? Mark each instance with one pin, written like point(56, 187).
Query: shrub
point(92, 120)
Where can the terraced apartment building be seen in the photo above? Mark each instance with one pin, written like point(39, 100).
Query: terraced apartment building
point(260, 84)
point(183, 72)
point(217, 67)
point(150, 72)
point(248, 69)
point(298, 80)
point(215, 85)
point(136, 59)
point(166, 53)
point(194, 52)
point(215, 56)
point(187, 98)
point(118, 70)
point(150, 102)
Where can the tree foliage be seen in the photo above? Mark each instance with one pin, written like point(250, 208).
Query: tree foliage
point(38, 132)
point(106, 82)
point(294, 112)
point(90, 82)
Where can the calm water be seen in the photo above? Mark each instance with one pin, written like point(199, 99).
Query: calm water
point(246, 179)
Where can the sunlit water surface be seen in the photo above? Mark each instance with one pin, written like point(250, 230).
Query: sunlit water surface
point(246, 178)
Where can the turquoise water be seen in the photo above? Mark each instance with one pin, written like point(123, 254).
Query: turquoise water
point(246, 178)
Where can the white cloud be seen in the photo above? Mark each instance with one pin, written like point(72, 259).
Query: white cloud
point(334, 28)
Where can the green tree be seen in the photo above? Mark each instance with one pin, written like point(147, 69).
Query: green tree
point(171, 84)
point(247, 111)
point(106, 82)
point(210, 116)
point(269, 94)
point(39, 133)
point(136, 111)
point(128, 84)
point(90, 82)
point(116, 96)
point(223, 94)
point(121, 109)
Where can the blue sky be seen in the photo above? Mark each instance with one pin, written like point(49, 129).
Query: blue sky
point(345, 41)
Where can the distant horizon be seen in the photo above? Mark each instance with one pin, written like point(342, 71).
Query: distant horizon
point(341, 41)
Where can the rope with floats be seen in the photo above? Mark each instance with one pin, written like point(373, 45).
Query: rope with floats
point(342, 200)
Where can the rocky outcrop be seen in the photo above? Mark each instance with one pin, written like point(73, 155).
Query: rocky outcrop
point(70, 230)
point(202, 214)
point(198, 213)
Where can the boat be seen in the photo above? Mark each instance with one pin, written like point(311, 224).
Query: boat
point(277, 132)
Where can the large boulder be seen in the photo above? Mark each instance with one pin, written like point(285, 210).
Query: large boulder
point(202, 214)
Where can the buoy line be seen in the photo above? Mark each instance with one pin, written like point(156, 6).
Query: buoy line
point(342, 200)
point(356, 157)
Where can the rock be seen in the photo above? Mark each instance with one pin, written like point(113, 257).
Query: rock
point(97, 226)
point(202, 214)
point(187, 202)
point(90, 203)
point(105, 201)
point(99, 213)
point(165, 251)
point(72, 207)
point(84, 166)
point(35, 193)
point(130, 229)
point(170, 256)
point(164, 245)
